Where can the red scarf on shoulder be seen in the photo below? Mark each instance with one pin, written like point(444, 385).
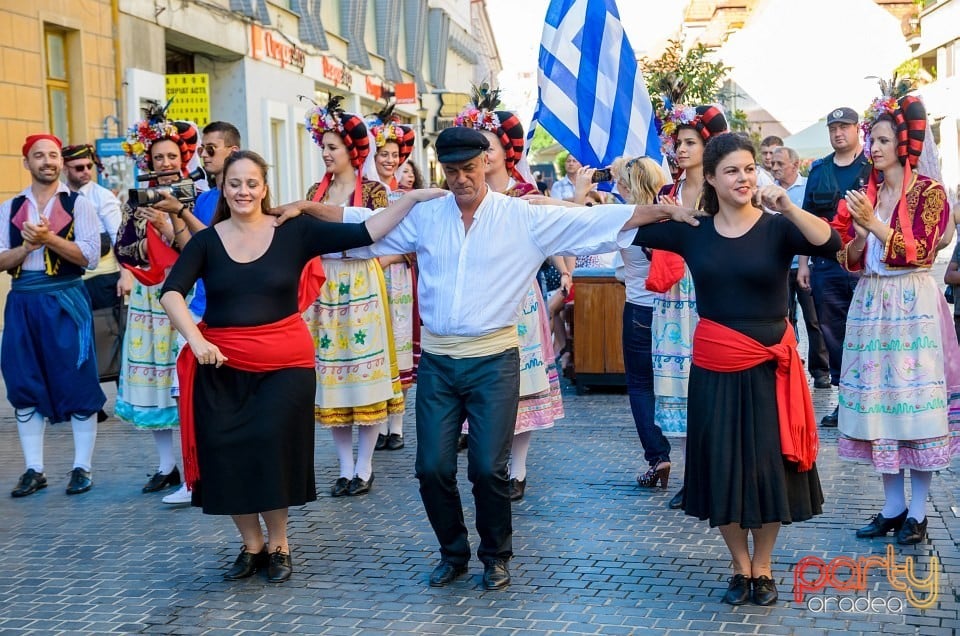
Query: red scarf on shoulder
point(725, 350)
point(666, 268)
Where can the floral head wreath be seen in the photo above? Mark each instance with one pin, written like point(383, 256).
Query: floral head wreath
point(350, 127)
point(156, 127)
point(708, 120)
point(909, 119)
point(385, 126)
point(506, 126)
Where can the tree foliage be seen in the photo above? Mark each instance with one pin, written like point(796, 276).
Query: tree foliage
point(703, 79)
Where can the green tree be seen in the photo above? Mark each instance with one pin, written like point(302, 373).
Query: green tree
point(691, 72)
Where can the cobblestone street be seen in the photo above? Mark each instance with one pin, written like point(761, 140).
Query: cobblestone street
point(594, 554)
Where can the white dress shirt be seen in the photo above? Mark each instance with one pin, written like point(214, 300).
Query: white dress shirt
point(472, 283)
point(86, 229)
point(107, 207)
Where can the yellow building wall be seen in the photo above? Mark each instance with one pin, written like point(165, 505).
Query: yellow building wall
point(88, 25)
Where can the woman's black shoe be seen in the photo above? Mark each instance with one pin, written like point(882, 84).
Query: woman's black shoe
point(738, 590)
point(360, 486)
point(246, 564)
point(912, 531)
point(657, 474)
point(517, 489)
point(381, 442)
point(159, 481)
point(677, 502)
point(341, 487)
point(880, 526)
point(394, 441)
point(764, 591)
point(280, 567)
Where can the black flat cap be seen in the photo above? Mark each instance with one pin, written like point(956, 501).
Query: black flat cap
point(844, 115)
point(457, 144)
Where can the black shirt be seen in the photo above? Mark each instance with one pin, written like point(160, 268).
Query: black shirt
point(264, 290)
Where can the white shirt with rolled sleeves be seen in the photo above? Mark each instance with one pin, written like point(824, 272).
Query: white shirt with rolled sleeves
point(472, 283)
point(107, 207)
point(86, 229)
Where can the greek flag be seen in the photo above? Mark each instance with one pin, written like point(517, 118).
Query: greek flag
point(592, 98)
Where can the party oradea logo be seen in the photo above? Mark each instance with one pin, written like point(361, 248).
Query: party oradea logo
point(841, 584)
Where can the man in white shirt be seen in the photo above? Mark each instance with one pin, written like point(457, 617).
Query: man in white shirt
point(48, 236)
point(80, 166)
point(477, 254)
point(785, 166)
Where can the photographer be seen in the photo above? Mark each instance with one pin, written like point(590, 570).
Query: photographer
point(146, 249)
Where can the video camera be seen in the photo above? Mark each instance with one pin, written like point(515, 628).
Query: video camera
point(183, 190)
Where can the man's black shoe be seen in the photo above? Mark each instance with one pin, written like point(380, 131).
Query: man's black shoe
point(80, 481)
point(446, 573)
point(822, 382)
point(30, 482)
point(831, 420)
point(495, 575)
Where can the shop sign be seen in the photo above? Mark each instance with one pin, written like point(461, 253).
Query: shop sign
point(268, 44)
point(405, 93)
point(336, 73)
point(374, 88)
point(191, 97)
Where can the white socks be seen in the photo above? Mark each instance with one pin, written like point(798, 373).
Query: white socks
point(164, 441)
point(30, 425)
point(395, 424)
point(366, 442)
point(518, 455)
point(84, 438)
point(343, 442)
point(919, 489)
point(894, 500)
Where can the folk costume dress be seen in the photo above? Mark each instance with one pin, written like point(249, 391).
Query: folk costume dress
point(254, 430)
point(358, 380)
point(736, 471)
point(400, 279)
point(150, 346)
point(674, 322)
point(899, 400)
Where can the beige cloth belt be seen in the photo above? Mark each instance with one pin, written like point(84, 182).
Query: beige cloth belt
point(470, 346)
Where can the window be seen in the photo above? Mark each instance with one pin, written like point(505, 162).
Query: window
point(58, 83)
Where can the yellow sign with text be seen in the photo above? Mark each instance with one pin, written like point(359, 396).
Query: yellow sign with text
point(191, 93)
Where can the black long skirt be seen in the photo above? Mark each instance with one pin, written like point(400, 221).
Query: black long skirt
point(735, 471)
point(255, 436)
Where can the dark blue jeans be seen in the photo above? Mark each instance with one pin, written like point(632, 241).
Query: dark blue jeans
point(638, 364)
point(832, 293)
point(485, 391)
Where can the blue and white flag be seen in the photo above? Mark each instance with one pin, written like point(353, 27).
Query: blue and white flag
point(592, 98)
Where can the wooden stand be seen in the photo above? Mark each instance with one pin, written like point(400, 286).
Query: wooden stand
point(598, 329)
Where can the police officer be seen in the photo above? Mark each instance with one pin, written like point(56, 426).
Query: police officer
point(846, 168)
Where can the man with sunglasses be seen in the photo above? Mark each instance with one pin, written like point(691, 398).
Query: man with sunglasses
point(219, 140)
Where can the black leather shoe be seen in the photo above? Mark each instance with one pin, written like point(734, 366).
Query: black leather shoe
point(359, 486)
point(495, 575)
point(764, 591)
point(102, 416)
point(30, 482)
point(80, 481)
point(912, 532)
point(246, 564)
point(831, 420)
point(822, 382)
point(738, 590)
point(880, 526)
point(462, 442)
point(446, 573)
point(280, 568)
point(394, 441)
point(381, 442)
point(341, 487)
point(159, 481)
point(677, 502)
point(517, 488)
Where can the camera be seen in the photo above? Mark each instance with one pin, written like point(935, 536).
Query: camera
point(184, 190)
point(601, 175)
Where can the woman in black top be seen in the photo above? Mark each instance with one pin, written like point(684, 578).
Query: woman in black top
point(255, 432)
point(739, 258)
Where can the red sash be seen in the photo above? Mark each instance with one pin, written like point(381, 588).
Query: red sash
point(160, 256)
point(666, 268)
point(284, 344)
point(722, 349)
